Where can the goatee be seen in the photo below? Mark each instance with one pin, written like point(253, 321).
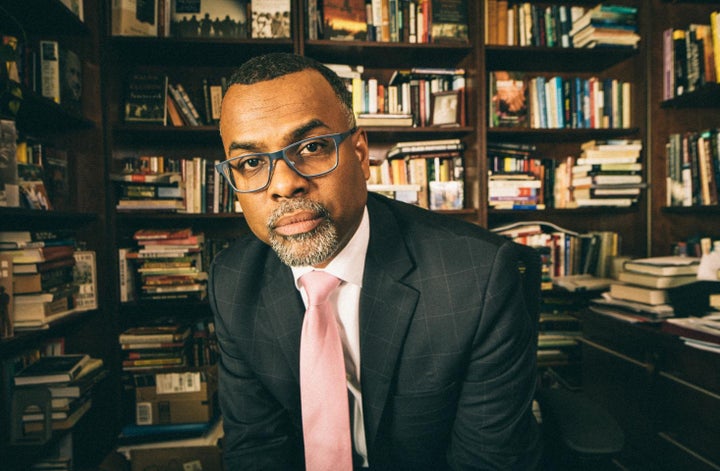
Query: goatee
point(308, 248)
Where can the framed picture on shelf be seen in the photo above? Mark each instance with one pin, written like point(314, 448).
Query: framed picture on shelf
point(446, 108)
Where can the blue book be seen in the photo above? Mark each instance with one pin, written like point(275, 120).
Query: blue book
point(542, 101)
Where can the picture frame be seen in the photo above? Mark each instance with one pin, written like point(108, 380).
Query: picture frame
point(446, 109)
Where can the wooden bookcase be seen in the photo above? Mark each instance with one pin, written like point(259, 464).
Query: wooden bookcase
point(79, 132)
point(691, 112)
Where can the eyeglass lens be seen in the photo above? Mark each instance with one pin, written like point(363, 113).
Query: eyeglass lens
point(309, 157)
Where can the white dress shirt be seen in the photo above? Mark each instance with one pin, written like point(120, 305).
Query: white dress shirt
point(349, 265)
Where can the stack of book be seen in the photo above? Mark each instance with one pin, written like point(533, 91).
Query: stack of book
point(69, 379)
point(608, 173)
point(642, 292)
point(606, 25)
point(153, 347)
point(516, 178)
point(168, 264)
point(434, 167)
point(43, 280)
point(697, 332)
point(142, 191)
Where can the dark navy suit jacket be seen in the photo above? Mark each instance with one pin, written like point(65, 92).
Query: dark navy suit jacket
point(447, 349)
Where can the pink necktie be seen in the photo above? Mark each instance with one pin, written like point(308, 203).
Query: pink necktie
point(323, 387)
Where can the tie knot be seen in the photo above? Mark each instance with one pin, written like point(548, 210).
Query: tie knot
point(318, 286)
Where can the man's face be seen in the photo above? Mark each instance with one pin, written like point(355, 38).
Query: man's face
point(306, 220)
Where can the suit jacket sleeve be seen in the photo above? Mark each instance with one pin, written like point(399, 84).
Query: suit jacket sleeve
point(494, 427)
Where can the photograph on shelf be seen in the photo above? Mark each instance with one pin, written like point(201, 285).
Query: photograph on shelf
point(449, 21)
point(270, 19)
point(209, 19)
point(446, 109)
point(70, 81)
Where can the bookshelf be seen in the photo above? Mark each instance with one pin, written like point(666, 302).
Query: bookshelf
point(693, 111)
point(78, 131)
point(555, 144)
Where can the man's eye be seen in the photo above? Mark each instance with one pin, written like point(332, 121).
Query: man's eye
point(248, 164)
point(318, 146)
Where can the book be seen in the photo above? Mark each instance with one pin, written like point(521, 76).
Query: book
point(449, 21)
point(146, 234)
point(36, 282)
point(62, 424)
point(50, 70)
point(639, 294)
point(134, 18)
point(344, 20)
point(55, 165)
point(655, 281)
point(270, 19)
point(9, 190)
point(42, 267)
point(209, 19)
point(90, 375)
point(383, 119)
point(85, 278)
point(664, 266)
point(6, 296)
point(583, 282)
point(698, 328)
point(71, 81)
point(508, 105)
point(52, 369)
point(146, 98)
point(155, 333)
point(41, 254)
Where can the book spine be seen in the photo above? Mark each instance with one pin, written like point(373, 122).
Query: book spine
point(189, 102)
point(50, 70)
point(184, 109)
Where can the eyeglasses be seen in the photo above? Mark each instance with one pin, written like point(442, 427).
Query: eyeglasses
point(312, 157)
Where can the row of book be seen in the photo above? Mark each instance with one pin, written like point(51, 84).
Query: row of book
point(35, 175)
point(412, 97)
point(566, 26)
point(427, 173)
point(157, 183)
point(166, 265)
point(47, 68)
point(152, 98)
point(44, 276)
point(409, 21)
point(693, 168)
point(566, 252)
point(210, 19)
point(539, 102)
point(606, 173)
point(168, 345)
point(690, 57)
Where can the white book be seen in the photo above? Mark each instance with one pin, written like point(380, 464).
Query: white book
point(50, 70)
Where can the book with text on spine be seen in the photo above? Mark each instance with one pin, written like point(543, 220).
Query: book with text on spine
point(52, 369)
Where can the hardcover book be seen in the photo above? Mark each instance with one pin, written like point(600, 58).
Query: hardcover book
point(270, 19)
point(9, 190)
point(6, 296)
point(50, 70)
point(146, 98)
point(70, 81)
point(344, 20)
point(52, 369)
point(449, 21)
point(85, 277)
point(134, 18)
point(664, 266)
point(508, 99)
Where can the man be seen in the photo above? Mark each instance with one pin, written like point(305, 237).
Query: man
point(440, 352)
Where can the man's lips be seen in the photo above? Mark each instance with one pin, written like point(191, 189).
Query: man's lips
point(297, 223)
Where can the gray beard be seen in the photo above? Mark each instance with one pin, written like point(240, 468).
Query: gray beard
point(309, 248)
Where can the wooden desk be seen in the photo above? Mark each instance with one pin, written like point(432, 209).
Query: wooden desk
point(664, 394)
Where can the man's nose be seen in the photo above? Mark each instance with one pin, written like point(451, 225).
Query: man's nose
point(286, 182)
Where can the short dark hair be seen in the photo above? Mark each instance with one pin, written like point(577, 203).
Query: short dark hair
point(278, 64)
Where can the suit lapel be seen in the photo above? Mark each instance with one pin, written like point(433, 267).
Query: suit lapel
point(387, 305)
point(285, 311)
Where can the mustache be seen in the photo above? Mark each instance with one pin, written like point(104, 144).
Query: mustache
point(290, 206)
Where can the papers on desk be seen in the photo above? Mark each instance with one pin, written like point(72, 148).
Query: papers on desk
point(698, 332)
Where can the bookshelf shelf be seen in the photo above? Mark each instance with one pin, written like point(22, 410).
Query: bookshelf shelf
point(553, 135)
point(46, 17)
point(44, 219)
point(39, 114)
point(387, 55)
point(692, 209)
point(208, 52)
point(706, 97)
point(27, 338)
point(540, 59)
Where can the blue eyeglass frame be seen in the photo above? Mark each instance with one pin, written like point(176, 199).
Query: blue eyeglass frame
point(280, 154)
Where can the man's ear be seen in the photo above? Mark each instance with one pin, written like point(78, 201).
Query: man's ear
point(362, 151)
